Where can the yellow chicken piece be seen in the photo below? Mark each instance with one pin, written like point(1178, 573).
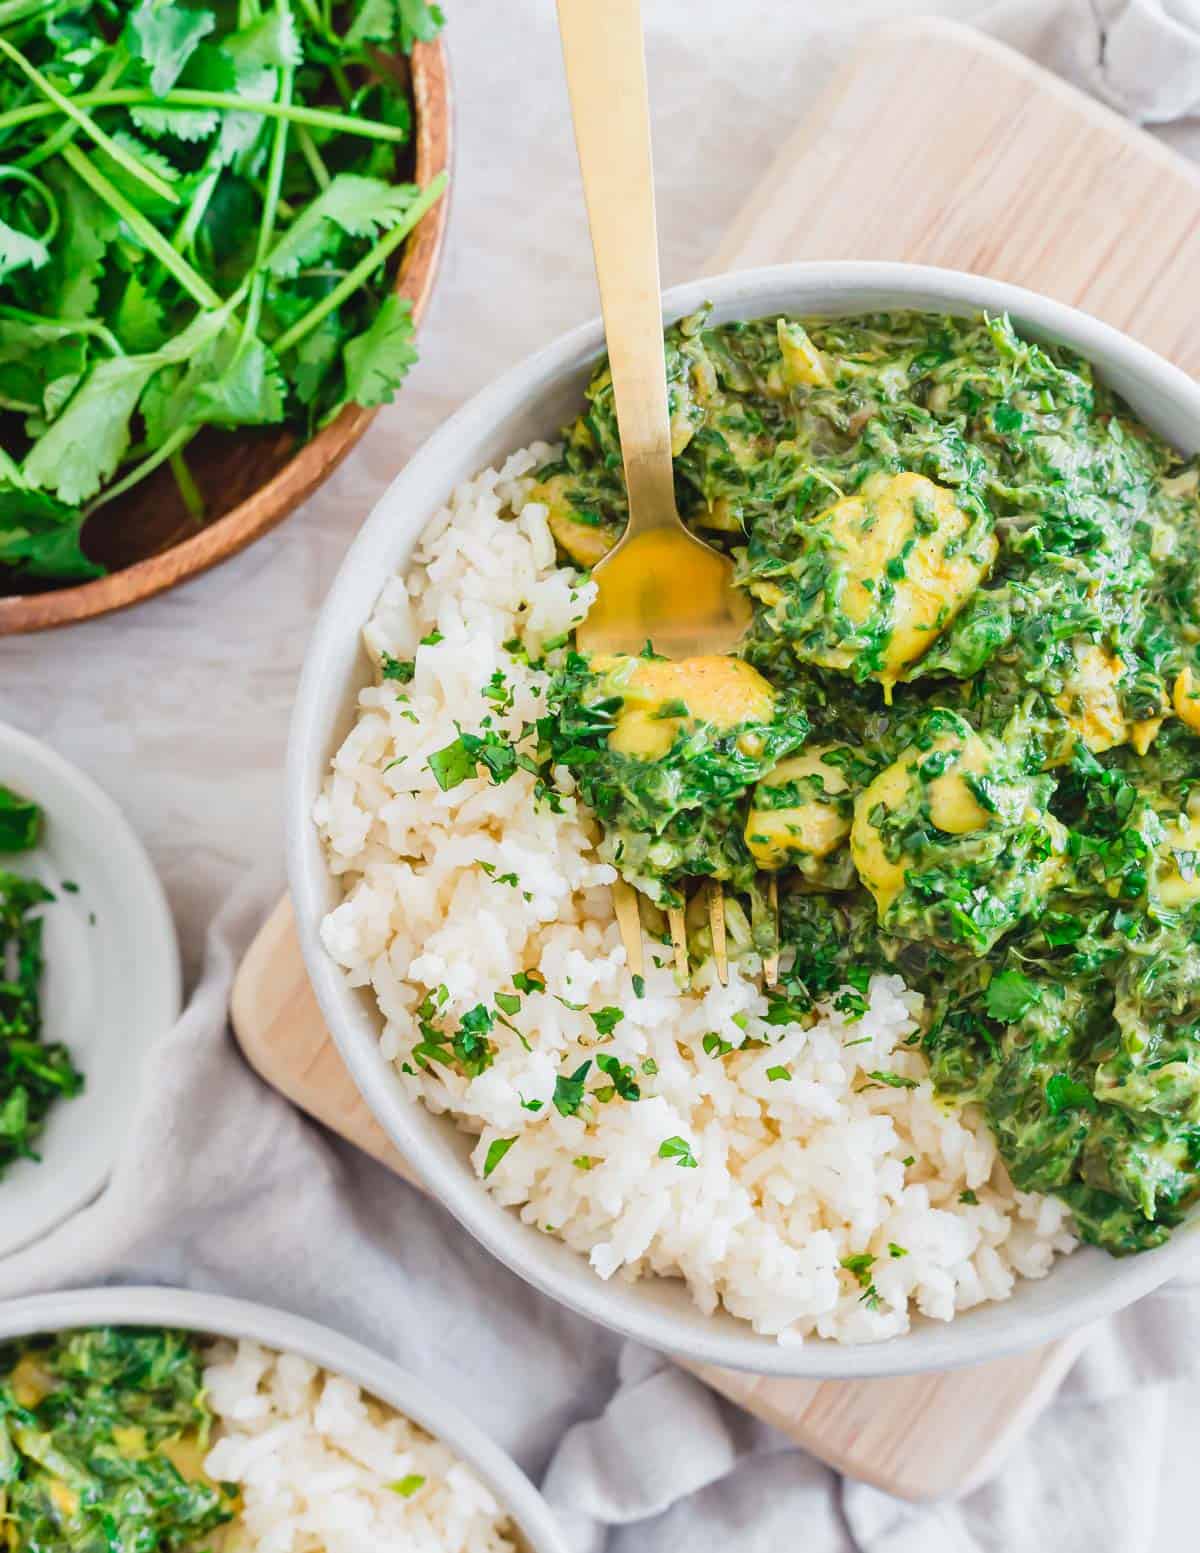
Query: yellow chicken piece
point(1090, 702)
point(30, 1383)
point(1185, 697)
point(802, 361)
point(952, 808)
point(130, 1440)
point(1178, 870)
point(65, 1499)
point(712, 689)
point(187, 1455)
point(812, 828)
point(586, 543)
point(898, 545)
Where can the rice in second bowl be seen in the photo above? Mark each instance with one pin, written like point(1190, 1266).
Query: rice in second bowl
point(801, 1175)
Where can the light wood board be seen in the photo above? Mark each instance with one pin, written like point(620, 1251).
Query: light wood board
point(932, 145)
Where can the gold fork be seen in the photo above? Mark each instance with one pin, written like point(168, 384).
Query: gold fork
point(659, 583)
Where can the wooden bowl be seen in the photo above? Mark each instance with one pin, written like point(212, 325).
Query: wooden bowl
point(250, 479)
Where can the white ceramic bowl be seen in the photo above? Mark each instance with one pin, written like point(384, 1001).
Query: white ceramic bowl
point(532, 401)
point(111, 986)
point(215, 1316)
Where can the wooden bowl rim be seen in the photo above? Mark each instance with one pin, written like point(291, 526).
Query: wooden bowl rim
point(316, 460)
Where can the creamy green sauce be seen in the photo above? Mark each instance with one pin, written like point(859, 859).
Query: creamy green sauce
point(976, 584)
point(102, 1436)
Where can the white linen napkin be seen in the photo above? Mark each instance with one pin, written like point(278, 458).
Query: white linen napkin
point(180, 710)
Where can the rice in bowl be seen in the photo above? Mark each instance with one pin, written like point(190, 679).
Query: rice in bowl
point(320, 1467)
point(801, 1175)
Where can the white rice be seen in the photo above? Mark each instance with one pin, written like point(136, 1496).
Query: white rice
point(793, 1175)
point(321, 1468)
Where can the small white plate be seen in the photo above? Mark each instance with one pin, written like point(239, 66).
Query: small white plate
point(111, 984)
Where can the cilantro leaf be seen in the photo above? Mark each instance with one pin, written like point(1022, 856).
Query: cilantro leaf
point(1063, 1093)
point(497, 1149)
point(377, 361)
point(163, 38)
point(568, 1092)
point(20, 822)
point(357, 206)
point(1011, 994)
point(680, 1150)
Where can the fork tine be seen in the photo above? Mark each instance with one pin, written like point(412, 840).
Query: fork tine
point(716, 921)
point(629, 921)
point(679, 940)
point(771, 961)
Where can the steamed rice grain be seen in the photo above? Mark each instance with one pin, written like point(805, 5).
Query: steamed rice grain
point(322, 1468)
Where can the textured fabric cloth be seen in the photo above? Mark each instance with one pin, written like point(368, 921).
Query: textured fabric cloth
point(180, 710)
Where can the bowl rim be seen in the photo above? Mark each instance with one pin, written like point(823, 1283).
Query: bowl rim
point(219, 1315)
point(314, 461)
point(616, 1305)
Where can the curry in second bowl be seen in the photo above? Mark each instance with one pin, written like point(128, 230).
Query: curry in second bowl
point(959, 745)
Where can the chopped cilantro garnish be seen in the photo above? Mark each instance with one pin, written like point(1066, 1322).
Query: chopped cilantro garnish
point(568, 1092)
point(622, 1076)
point(497, 1149)
point(399, 669)
point(606, 1020)
point(678, 1149)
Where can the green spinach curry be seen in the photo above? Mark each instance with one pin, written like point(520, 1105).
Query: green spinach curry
point(34, 1073)
point(103, 1434)
point(963, 734)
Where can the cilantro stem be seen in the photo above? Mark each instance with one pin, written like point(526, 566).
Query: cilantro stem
point(364, 269)
point(149, 236)
point(65, 326)
point(165, 450)
point(225, 102)
point(270, 206)
point(210, 175)
point(21, 10)
point(308, 149)
point(89, 126)
point(188, 489)
point(67, 132)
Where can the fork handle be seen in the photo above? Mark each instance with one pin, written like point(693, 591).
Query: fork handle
point(605, 60)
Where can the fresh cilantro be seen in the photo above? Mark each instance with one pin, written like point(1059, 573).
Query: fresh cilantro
point(715, 1046)
point(969, 1197)
point(509, 1002)
point(621, 1073)
point(568, 1092)
point(606, 1020)
point(20, 823)
point(406, 1487)
point(1064, 1093)
point(399, 669)
point(678, 1149)
point(529, 981)
point(859, 1267)
point(893, 1080)
point(497, 1149)
point(211, 244)
point(639, 985)
point(896, 1251)
point(1009, 995)
point(777, 1075)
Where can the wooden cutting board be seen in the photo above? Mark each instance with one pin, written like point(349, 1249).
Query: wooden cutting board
point(936, 146)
